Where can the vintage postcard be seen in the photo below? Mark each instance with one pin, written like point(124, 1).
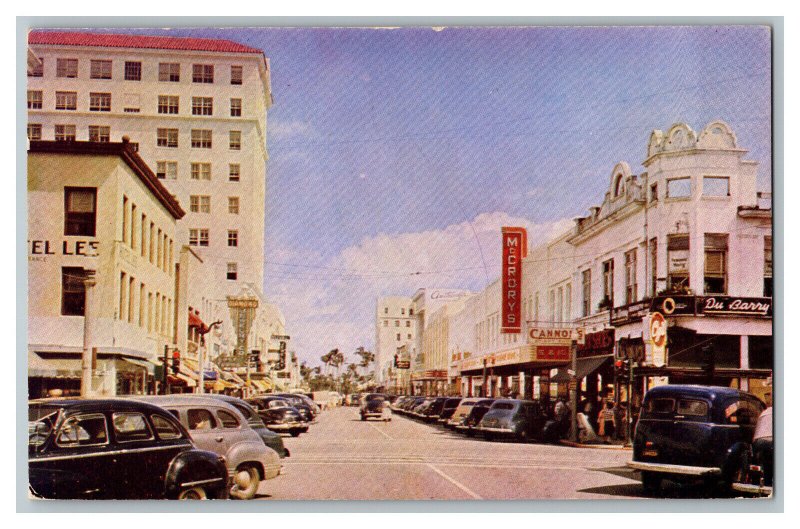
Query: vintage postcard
point(415, 263)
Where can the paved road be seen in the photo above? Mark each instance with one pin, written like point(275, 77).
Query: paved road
point(342, 457)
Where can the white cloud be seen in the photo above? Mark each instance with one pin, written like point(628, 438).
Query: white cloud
point(279, 130)
point(333, 305)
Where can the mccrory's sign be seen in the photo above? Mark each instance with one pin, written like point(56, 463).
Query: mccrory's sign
point(515, 247)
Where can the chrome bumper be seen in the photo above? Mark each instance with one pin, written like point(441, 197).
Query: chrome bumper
point(760, 490)
point(288, 426)
point(494, 430)
point(665, 468)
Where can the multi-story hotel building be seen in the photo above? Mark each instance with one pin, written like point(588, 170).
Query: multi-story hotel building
point(395, 326)
point(196, 110)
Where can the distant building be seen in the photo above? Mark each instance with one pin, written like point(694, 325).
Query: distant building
point(395, 326)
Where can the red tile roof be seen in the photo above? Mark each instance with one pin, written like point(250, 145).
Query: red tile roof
point(62, 38)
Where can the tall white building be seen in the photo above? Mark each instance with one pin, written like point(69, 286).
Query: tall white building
point(196, 109)
point(395, 326)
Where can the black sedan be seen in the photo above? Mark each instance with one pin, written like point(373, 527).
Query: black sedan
point(279, 416)
point(306, 411)
point(519, 419)
point(431, 412)
point(116, 449)
point(448, 409)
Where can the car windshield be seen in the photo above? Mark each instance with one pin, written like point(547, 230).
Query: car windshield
point(274, 404)
point(41, 421)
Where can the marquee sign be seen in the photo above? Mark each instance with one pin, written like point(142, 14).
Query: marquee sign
point(515, 248)
point(729, 305)
point(556, 335)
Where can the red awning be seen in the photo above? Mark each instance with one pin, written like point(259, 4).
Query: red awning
point(195, 321)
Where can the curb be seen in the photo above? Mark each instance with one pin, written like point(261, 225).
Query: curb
point(600, 446)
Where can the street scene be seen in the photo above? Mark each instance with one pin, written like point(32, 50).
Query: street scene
point(420, 263)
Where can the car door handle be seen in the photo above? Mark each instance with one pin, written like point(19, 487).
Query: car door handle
point(218, 439)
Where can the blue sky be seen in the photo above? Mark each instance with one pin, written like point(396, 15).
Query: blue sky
point(409, 142)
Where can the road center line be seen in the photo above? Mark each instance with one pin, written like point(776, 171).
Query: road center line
point(454, 482)
point(386, 435)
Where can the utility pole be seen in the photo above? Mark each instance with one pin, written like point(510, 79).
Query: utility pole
point(87, 358)
point(166, 367)
point(573, 391)
point(201, 354)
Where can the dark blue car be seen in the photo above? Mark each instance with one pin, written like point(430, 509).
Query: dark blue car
point(688, 433)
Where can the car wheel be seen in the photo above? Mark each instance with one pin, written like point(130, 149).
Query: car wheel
point(651, 482)
point(245, 483)
point(470, 433)
point(195, 493)
point(522, 436)
point(488, 436)
point(294, 433)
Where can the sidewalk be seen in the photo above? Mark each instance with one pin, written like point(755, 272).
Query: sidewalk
point(616, 445)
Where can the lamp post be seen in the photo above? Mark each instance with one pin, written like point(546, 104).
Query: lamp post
point(87, 358)
point(201, 360)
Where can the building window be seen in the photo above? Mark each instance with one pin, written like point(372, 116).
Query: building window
point(201, 171)
point(169, 72)
point(233, 205)
point(768, 266)
point(99, 69)
point(73, 291)
point(630, 276)
point(386, 310)
point(567, 302)
point(608, 283)
point(402, 311)
point(408, 323)
point(236, 108)
point(100, 102)
point(232, 272)
point(168, 104)
point(678, 262)
point(552, 300)
point(167, 170)
point(67, 68)
point(679, 188)
point(80, 204)
point(37, 70)
point(716, 186)
point(234, 172)
point(398, 337)
point(99, 134)
point(123, 283)
point(654, 192)
point(34, 99)
point(167, 137)
point(198, 237)
point(201, 138)
point(65, 132)
point(236, 75)
point(235, 140)
point(200, 204)
point(233, 238)
point(133, 71)
point(397, 323)
point(66, 100)
point(410, 312)
point(203, 73)
point(409, 336)
point(716, 256)
point(385, 323)
point(618, 186)
point(653, 266)
point(202, 106)
point(131, 298)
point(34, 131)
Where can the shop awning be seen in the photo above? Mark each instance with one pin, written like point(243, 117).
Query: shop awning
point(195, 321)
point(585, 366)
point(53, 367)
point(180, 376)
point(149, 366)
point(220, 385)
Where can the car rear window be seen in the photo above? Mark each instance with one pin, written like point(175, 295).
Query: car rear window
point(503, 406)
point(164, 428)
point(661, 405)
point(227, 419)
point(692, 407)
point(131, 426)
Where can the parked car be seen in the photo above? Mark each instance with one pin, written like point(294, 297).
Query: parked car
point(219, 427)
point(470, 422)
point(116, 449)
point(419, 405)
point(431, 412)
point(270, 438)
point(690, 433)
point(315, 409)
point(463, 409)
point(759, 466)
point(278, 415)
point(448, 409)
point(306, 412)
point(519, 419)
point(375, 405)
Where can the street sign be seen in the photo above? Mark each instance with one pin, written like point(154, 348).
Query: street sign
point(280, 337)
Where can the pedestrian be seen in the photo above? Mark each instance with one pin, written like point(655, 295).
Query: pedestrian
point(607, 422)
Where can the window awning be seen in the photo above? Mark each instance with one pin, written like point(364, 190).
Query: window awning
point(220, 385)
point(585, 366)
point(149, 366)
point(195, 321)
point(52, 367)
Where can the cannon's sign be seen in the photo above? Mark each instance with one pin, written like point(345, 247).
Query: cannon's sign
point(515, 247)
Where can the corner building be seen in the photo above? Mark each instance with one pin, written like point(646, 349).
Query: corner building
point(196, 111)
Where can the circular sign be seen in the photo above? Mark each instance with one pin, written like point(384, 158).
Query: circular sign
point(668, 306)
point(658, 329)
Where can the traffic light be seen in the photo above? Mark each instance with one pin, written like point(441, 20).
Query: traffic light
point(622, 369)
point(176, 362)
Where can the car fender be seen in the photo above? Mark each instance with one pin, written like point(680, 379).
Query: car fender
point(193, 466)
point(265, 458)
point(733, 458)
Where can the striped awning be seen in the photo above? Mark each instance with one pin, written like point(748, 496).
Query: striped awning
point(53, 367)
